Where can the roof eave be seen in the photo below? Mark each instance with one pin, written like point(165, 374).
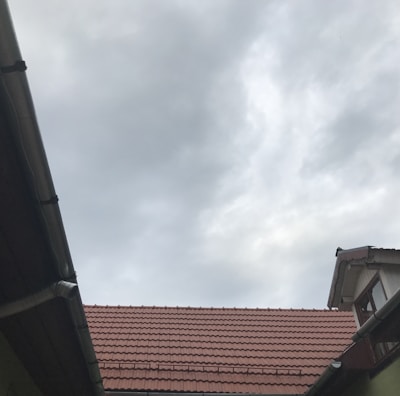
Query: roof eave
point(28, 142)
point(348, 265)
point(344, 258)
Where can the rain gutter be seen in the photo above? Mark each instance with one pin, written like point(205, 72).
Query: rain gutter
point(57, 289)
point(377, 317)
point(28, 142)
point(329, 372)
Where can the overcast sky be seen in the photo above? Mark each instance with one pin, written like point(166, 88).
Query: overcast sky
point(215, 153)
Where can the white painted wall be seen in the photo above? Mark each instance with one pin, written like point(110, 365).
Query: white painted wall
point(365, 277)
point(390, 276)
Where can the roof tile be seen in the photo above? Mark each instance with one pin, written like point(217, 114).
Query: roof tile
point(231, 350)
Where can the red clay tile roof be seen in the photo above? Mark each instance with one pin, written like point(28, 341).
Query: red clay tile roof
point(230, 350)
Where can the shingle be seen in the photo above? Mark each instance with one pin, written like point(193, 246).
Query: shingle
point(230, 350)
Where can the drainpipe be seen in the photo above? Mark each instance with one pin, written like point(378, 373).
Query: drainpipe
point(329, 372)
point(58, 289)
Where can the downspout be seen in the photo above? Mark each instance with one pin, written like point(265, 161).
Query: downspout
point(58, 289)
point(377, 317)
point(329, 372)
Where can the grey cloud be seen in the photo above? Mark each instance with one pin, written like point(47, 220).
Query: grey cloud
point(329, 44)
point(352, 132)
point(158, 140)
point(165, 185)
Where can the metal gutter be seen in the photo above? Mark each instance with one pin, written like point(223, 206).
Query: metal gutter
point(28, 143)
point(329, 372)
point(58, 289)
point(377, 317)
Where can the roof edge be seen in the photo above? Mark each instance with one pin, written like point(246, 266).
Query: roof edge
point(154, 393)
point(344, 257)
point(228, 309)
point(365, 256)
point(28, 142)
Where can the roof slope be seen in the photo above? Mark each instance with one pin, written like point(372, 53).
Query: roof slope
point(231, 350)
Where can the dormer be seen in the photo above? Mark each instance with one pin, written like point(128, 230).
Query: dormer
point(366, 281)
point(363, 280)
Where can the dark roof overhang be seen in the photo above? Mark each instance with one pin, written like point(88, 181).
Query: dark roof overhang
point(357, 359)
point(50, 337)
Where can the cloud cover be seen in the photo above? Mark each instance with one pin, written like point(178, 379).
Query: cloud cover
point(216, 153)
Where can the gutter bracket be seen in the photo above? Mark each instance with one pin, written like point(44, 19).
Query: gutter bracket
point(18, 66)
point(51, 201)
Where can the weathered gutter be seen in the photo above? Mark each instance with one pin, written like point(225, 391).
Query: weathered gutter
point(329, 372)
point(59, 289)
point(28, 142)
point(362, 333)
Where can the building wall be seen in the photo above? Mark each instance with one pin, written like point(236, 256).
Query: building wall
point(364, 279)
point(14, 379)
point(390, 276)
point(391, 279)
point(386, 383)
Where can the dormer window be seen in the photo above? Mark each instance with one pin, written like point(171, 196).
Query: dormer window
point(370, 301)
point(367, 281)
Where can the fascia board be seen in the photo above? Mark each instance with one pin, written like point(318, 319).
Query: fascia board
point(350, 260)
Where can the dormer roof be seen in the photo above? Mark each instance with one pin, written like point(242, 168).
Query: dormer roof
point(349, 264)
